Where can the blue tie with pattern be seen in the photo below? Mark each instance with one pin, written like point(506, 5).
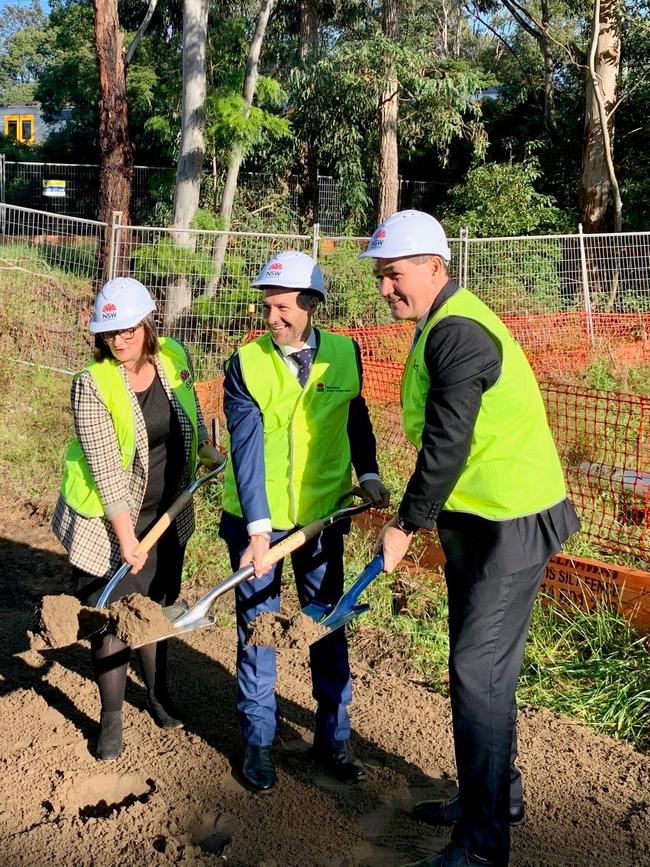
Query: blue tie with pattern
point(303, 359)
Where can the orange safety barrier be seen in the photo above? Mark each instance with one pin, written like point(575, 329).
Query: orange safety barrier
point(603, 438)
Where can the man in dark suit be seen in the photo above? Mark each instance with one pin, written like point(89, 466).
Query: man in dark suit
point(298, 425)
point(488, 475)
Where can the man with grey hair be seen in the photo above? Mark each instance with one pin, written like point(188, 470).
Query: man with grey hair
point(488, 475)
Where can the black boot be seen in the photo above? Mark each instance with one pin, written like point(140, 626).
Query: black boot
point(448, 812)
point(165, 719)
point(109, 743)
point(152, 659)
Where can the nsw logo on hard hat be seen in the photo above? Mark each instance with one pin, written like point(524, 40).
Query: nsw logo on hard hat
point(274, 269)
point(378, 238)
point(109, 311)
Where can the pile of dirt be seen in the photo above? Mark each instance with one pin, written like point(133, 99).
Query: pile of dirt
point(62, 620)
point(278, 630)
point(138, 620)
point(175, 797)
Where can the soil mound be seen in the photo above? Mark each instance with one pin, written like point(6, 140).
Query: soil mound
point(175, 799)
point(278, 630)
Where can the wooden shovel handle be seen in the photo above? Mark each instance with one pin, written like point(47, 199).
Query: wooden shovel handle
point(293, 542)
point(147, 542)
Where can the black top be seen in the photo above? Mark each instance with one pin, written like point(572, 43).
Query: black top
point(463, 361)
point(166, 449)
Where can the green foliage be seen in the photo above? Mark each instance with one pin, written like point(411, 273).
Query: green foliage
point(353, 299)
point(606, 374)
point(35, 427)
point(499, 199)
point(591, 667)
point(24, 46)
point(228, 125)
point(160, 263)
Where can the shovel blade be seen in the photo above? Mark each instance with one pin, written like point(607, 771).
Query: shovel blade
point(337, 619)
point(317, 611)
point(174, 632)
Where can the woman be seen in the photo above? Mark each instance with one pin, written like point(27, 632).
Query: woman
point(139, 434)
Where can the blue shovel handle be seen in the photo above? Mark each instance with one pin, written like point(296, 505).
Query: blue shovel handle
point(347, 602)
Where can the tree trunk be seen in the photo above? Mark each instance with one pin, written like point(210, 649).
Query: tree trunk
point(388, 160)
point(307, 153)
point(116, 152)
point(549, 69)
point(598, 181)
point(192, 149)
point(237, 154)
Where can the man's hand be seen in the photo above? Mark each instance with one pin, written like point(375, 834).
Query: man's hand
point(210, 456)
point(394, 543)
point(377, 492)
point(258, 546)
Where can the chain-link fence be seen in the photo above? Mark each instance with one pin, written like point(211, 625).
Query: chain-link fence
point(73, 189)
point(565, 298)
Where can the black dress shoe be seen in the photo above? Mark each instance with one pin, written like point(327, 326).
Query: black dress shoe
point(448, 812)
point(454, 856)
point(338, 758)
point(258, 769)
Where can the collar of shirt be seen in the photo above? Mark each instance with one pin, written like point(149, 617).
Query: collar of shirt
point(445, 294)
point(310, 343)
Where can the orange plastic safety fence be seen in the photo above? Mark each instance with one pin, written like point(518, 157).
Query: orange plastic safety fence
point(603, 438)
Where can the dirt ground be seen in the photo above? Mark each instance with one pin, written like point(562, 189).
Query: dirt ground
point(174, 798)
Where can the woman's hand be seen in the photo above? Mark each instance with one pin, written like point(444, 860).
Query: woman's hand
point(124, 530)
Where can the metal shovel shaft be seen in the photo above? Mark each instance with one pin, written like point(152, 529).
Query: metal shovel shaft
point(147, 543)
point(197, 615)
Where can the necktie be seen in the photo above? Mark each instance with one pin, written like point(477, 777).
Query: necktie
point(303, 359)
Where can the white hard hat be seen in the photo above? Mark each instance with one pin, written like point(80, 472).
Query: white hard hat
point(292, 270)
point(121, 303)
point(408, 233)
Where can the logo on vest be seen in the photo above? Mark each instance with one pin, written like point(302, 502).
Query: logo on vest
point(109, 311)
point(186, 377)
point(321, 388)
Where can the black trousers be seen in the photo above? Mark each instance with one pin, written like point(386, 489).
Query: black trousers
point(489, 616)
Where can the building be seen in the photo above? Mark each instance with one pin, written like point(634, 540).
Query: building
point(25, 123)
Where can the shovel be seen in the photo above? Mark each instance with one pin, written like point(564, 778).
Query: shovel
point(332, 617)
point(147, 543)
point(196, 617)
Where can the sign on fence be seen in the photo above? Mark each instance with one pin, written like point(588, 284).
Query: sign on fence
point(54, 189)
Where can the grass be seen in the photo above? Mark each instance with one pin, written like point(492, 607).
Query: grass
point(591, 667)
point(35, 427)
point(607, 374)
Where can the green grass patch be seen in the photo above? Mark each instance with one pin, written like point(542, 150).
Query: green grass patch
point(35, 427)
point(591, 667)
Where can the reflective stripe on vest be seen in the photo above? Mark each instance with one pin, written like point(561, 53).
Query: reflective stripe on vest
point(78, 487)
point(513, 467)
point(306, 447)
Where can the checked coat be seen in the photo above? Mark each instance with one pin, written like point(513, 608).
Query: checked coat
point(91, 543)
